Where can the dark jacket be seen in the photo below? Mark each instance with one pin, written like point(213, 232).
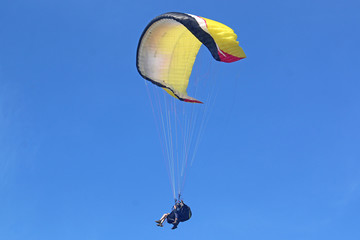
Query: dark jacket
point(182, 213)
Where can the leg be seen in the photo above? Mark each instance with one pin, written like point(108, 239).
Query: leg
point(176, 222)
point(175, 225)
point(162, 219)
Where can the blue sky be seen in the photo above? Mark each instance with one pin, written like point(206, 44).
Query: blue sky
point(79, 153)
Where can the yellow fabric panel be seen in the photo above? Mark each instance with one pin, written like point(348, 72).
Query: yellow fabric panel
point(182, 48)
point(225, 38)
point(169, 92)
point(168, 53)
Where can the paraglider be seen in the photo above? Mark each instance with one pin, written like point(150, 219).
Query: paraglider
point(166, 53)
point(180, 213)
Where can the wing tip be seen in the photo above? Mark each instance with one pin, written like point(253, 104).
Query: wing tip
point(191, 100)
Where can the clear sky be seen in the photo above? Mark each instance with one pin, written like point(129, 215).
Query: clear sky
point(80, 156)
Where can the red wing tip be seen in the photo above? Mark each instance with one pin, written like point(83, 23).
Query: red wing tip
point(228, 58)
point(192, 101)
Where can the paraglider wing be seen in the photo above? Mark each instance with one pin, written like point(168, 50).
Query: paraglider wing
point(169, 44)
